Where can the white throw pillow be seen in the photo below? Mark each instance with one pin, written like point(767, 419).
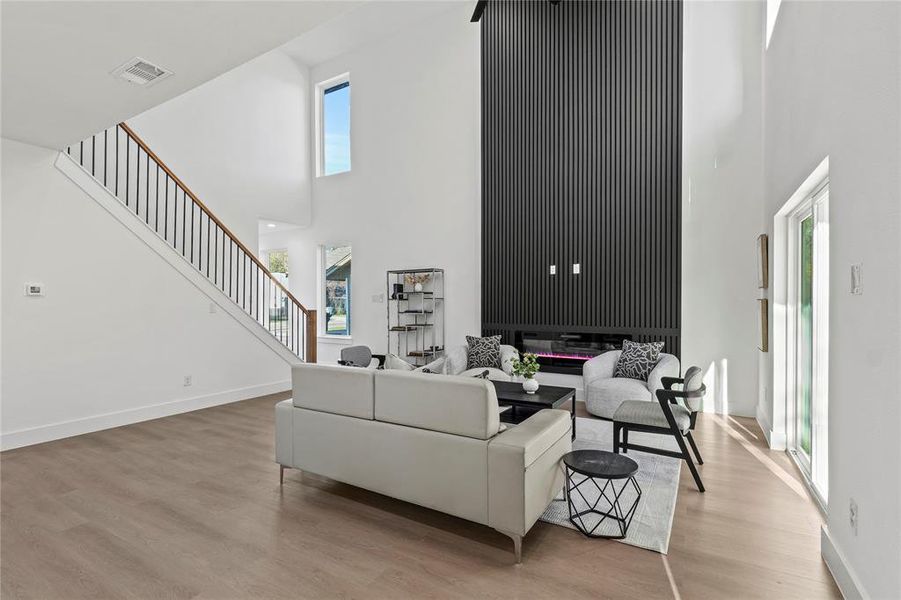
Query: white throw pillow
point(396, 363)
point(436, 366)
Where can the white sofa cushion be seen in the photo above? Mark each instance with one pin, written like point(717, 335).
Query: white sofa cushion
point(458, 405)
point(333, 389)
point(604, 396)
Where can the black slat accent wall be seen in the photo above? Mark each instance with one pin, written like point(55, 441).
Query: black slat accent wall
point(581, 163)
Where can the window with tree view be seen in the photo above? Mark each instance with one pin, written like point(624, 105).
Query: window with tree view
point(337, 286)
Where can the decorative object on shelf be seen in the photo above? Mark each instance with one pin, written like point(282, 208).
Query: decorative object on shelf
point(416, 314)
point(763, 261)
point(417, 278)
point(527, 367)
point(763, 324)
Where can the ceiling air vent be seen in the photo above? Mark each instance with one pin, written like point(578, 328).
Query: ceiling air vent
point(141, 72)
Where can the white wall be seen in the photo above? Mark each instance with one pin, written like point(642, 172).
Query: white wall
point(833, 88)
point(241, 143)
point(412, 197)
point(721, 197)
point(118, 328)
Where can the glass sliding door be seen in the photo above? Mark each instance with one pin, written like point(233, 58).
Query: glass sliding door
point(809, 274)
point(805, 336)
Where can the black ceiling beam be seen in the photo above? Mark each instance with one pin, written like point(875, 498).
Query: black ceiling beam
point(477, 13)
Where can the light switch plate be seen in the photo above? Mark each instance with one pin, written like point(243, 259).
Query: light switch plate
point(34, 289)
point(856, 284)
point(577, 268)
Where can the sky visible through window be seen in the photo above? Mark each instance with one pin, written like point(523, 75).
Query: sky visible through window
point(336, 129)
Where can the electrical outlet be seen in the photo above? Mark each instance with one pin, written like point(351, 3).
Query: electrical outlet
point(577, 268)
point(852, 515)
point(188, 381)
point(212, 308)
point(378, 298)
point(553, 269)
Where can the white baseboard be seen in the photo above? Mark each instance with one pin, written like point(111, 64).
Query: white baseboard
point(775, 440)
point(56, 431)
point(844, 576)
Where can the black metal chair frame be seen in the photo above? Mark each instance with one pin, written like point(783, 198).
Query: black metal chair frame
point(666, 397)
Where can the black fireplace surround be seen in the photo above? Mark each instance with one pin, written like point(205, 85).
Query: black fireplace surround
point(581, 178)
point(566, 352)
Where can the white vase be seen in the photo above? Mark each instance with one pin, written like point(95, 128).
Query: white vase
point(417, 287)
point(530, 385)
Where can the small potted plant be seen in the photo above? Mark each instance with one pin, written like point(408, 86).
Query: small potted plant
point(526, 368)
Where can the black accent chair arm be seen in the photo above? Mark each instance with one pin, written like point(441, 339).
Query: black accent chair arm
point(381, 359)
point(671, 395)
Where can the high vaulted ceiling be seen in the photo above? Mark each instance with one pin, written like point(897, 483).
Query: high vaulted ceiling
point(57, 56)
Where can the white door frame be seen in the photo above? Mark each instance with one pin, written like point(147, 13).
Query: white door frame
point(812, 195)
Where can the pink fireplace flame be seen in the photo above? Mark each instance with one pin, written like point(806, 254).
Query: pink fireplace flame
point(570, 356)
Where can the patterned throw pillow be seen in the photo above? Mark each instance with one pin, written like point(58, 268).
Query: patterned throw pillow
point(483, 375)
point(483, 352)
point(637, 359)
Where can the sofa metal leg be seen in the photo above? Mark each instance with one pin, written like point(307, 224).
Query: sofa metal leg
point(281, 474)
point(517, 545)
point(625, 440)
point(617, 429)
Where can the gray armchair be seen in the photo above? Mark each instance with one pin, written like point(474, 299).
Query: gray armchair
point(457, 357)
point(604, 392)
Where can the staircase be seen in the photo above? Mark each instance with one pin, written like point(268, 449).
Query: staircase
point(123, 164)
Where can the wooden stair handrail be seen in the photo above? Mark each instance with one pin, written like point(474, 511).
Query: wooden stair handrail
point(130, 132)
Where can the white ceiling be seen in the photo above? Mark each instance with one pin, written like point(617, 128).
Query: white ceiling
point(57, 56)
point(364, 24)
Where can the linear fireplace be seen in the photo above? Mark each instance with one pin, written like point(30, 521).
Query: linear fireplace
point(566, 352)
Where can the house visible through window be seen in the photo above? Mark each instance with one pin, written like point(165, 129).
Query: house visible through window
point(334, 126)
point(277, 312)
point(336, 283)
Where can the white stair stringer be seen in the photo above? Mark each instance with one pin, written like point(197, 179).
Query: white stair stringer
point(96, 190)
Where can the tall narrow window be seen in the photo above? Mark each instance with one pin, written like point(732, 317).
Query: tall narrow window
point(336, 285)
point(333, 125)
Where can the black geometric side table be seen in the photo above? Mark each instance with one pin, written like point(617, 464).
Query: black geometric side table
point(616, 474)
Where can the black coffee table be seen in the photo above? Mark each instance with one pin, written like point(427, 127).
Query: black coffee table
point(510, 393)
point(601, 465)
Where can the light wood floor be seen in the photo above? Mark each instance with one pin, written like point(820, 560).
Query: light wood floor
point(190, 507)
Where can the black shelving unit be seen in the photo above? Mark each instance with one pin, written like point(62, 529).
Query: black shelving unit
point(416, 316)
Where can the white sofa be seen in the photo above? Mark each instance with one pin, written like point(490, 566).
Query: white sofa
point(430, 439)
point(456, 359)
point(604, 392)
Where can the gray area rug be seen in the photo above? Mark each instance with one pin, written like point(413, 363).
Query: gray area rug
point(658, 477)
